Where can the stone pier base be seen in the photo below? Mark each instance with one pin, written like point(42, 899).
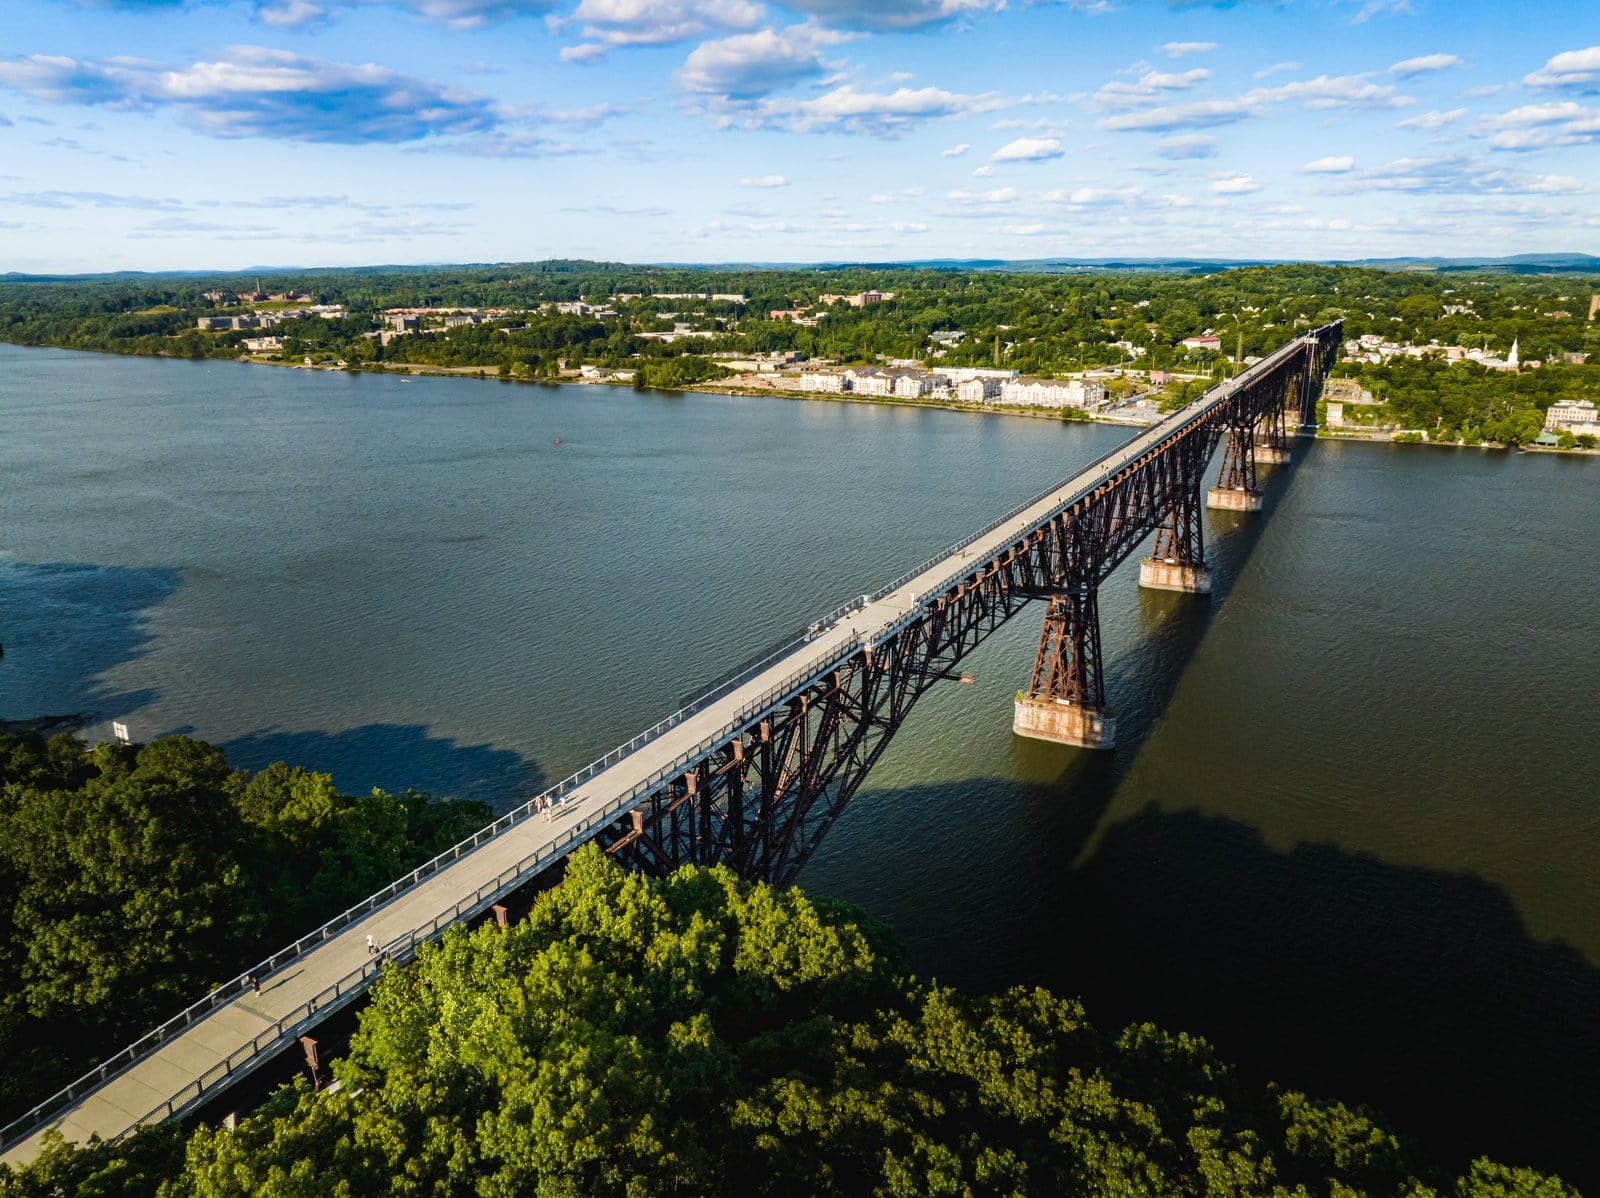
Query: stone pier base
point(1271, 455)
point(1226, 499)
point(1064, 723)
point(1155, 575)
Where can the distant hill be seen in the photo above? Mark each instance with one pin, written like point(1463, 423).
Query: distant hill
point(1573, 263)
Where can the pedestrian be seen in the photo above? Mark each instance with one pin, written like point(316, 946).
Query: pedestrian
point(255, 982)
point(372, 945)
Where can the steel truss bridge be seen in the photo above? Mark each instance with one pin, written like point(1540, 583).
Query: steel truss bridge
point(754, 772)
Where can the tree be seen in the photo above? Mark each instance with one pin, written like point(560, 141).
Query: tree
point(702, 1035)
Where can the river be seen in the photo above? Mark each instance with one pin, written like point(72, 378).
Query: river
point(1349, 831)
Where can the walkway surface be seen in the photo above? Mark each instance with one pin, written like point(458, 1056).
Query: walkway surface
point(168, 1073)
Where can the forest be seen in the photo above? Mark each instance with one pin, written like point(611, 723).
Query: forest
point(703, 1035)
point(135, 878)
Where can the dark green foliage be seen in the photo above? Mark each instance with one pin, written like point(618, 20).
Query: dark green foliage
point(1464, 401)
point(1038, 323)
point(704, 1036)
point(133, 879)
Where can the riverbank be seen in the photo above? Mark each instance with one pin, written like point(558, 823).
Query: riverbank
point(713, 387)
point(1388, 437)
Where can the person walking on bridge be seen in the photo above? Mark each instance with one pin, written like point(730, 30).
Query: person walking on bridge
point(372, 945)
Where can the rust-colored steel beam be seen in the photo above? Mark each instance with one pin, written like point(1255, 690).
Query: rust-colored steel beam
point(763, 802)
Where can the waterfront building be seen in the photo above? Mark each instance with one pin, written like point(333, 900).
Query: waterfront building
point(1575, 416)
point(913, 384)
point(1048, 393)
point(823, 381)
point(978, 390)
point(960, 374)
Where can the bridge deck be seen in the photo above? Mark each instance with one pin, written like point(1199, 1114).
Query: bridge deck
point(168, 1074)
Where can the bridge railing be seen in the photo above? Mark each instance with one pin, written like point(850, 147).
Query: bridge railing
point(32, 1120)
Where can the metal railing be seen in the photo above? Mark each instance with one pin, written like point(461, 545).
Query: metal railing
point(557, 795)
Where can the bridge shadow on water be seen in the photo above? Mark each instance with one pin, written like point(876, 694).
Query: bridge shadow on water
point(395, 757)
point(1418, 991)
point(64, 625)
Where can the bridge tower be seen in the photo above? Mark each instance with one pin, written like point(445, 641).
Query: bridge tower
point(1066, 697)
point(1272, 437)
point(1236, 489)
point(1177, 561)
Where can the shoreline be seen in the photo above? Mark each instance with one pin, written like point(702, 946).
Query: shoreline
point(711, 387)
point(714, 387)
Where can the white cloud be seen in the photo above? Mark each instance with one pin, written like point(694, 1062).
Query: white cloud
point(1424, 65)
point(1028, 149)
point(1096, 197)
point(1151, 88)
point(1429, 122)
point(1234, 183)
point(982, 172)
point(849, 109)
point(289, 14)
point(955, 151)
point(884, 16)
point(1576, 70)
point(584, 52)
point(471, 14)
point(1001, 195)
point(1457, 175)
point(764, 181)
point(1321, 93)
point(748, 65)
point(1179, 49)
point(1187, 145)
point(1540, 126)
point(1330, 166)
point(608, 23)
point(257, 92)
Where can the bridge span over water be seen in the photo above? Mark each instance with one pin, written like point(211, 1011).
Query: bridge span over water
point(754, 772)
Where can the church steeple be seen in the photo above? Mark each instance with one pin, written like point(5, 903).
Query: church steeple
point(1511, 358)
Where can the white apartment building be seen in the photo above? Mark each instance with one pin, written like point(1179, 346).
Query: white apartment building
point(978, 390)
point(1048, 393)
point(870, 382)
point(913, 384)
point(822, 380)
point(960, 374)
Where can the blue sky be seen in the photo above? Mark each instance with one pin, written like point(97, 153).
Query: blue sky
point(154, 134)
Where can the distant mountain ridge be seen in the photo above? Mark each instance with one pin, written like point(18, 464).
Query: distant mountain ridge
point(1553, 263)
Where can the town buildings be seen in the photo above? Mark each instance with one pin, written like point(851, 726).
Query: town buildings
point(1575, 416)
point(1049, 393)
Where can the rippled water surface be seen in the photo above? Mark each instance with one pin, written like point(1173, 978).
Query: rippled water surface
point(1350, 831)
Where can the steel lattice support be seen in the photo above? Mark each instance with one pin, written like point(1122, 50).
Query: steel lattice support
point(763, 801)
point(1239, 460)
point(1067, 668)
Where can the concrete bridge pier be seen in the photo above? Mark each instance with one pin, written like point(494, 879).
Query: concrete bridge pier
point(1178, 560)
point(1066, 701)
point(1233, 499)
point(1064, 722)
point(1272, 455)
point(1236, 489)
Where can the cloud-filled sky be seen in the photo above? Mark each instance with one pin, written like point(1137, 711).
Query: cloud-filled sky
point(157, 134)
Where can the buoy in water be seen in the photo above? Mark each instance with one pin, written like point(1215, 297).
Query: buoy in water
point(558, 441)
